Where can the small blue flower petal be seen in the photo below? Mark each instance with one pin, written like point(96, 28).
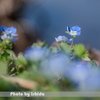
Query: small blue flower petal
point(14, 34)
point(68, 28)
point(76, 28)
point(14, 40)
point(12, 29)
point(3, 28)
point(79, 33)
point(69, 41)
point(3, 37)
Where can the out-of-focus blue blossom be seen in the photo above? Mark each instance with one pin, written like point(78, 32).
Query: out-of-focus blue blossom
point(91, 84)
point(36, 54)
point(78, 74)
point(57, 63)
point(9, 33)
point(74, 31)
point(63, 39)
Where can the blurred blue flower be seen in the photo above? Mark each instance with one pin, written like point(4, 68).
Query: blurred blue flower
point(55, 64)
point(35, 54)
point(63, 39)
point(74, 31)
point(9, 33)
point(92, 83)
point(78, 74)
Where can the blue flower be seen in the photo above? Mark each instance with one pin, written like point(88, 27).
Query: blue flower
point(78, 73)
point(74, 31)
point(35, 54)
point(63, 39)
point(9, 33)
point(58, 62)
point(91, 83)
point(55, 64)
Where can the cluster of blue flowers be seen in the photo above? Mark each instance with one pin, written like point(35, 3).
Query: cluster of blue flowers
point(9, 33)
point(74, 31)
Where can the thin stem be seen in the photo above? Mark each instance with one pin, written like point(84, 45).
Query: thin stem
point(72, 43)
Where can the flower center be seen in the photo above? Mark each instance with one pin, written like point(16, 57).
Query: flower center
point(73, 32)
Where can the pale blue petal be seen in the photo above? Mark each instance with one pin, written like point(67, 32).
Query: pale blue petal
point(69, 41)
point(76, 28)
point(14, 34)
point(56, 39)
point(61, 39)
point(12, 29)
point(14, 40)
point(79, 33)
point(3, 37)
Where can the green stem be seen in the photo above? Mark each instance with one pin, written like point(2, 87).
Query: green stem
point(72, 43)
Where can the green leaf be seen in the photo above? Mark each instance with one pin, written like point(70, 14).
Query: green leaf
point(12, 55)
point(3, 68)
point(4, 55)
point(85, 57)
point(53, 49)
point(65, 47)
point(42, 44)
point(79, 50)
point(20, 69)
point(21, 60)
point(35, 45)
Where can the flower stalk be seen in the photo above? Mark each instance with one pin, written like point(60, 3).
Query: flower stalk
point(72, 43)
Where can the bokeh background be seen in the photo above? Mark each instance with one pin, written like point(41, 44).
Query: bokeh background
point(47, 19)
